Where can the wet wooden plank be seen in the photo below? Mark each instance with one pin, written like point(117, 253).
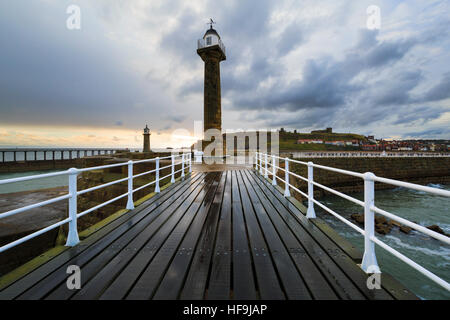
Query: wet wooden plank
point(219, 285)
point(266, 273)
point(196, 271)
point(145, 286)
point(94, 243)
point(290, 278)
point(345, 263)
point(92, 260)
point(309, 271)
point(244, 287)
point(133, 259)
point(105, 266)
point(337, 278)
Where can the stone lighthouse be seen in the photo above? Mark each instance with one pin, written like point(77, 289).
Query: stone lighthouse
point(212, 52)
point(146, 135)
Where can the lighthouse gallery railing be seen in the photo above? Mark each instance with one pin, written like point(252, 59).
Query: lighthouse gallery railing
point(72, 173)
point(369, 263)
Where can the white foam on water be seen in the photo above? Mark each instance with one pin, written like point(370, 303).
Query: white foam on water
point(442, 253)
point(437, 185)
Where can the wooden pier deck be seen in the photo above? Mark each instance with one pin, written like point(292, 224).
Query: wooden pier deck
point(215, 235)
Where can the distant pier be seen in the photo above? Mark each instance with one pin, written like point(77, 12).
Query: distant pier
point(33, 154)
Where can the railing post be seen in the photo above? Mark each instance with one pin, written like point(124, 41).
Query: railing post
point(266, 173)
point(172, 179)
point(157, 175)
point(72, 236)
point(274, 179)
point(369, 261)
point(260, 164)
point(182, 166)
point(130, 203)
point(310, 213)
point(287, 193)
point(190, 162)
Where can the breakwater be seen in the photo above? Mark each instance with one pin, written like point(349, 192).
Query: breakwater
point(416, 170)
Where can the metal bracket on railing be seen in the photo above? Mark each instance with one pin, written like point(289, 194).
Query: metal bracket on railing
point(369, 261)
point(130, 203)
point(72, 236)
point(287, 193)
point(310, 213)
point(274, 172)
point(157, 175)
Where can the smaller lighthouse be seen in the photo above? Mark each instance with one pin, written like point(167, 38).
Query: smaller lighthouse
point(146, 135)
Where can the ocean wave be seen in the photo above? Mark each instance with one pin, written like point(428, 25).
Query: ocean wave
point(442, 252)
point(437, 185)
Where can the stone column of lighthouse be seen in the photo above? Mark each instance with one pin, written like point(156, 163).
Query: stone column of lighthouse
point(212, 52)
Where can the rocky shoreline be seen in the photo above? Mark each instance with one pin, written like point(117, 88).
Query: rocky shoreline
point(384, 226)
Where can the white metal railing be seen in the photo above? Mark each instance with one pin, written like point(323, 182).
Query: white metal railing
point(366, 154)
point(369, 262)
point(201, 43)
point(72, 173)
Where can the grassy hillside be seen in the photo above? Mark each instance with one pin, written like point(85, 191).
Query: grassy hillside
point(324, 136)
point(288, 141)
point(292, 146)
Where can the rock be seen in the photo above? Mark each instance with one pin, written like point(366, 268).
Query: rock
point(358, 217)
point(405, 229)
point(436, 228)
point(395, 223)
point(380, 220)
point(382, 228)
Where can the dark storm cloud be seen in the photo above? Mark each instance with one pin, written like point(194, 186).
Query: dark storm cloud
point(51, 75)
point(430, 133)
point(182, 39)
point(331, 85)
point(328, 83)
point(421, 114)
point(440, 91)
point(290, 38)
point(178, 118)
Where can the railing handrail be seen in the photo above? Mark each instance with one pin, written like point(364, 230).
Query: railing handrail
point(72, 173)
point(369, 263)
point(370, 154)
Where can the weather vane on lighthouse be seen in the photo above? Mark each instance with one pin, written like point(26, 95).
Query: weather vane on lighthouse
point(211, 22)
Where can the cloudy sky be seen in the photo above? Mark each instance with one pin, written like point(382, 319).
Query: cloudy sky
point(295, 64)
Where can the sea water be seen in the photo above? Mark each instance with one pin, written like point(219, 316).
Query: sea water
point(417, 206)
point(36, 184)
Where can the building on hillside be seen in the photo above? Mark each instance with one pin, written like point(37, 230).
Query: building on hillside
point(308, 141)
point(369, 147)
point(335, 143)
